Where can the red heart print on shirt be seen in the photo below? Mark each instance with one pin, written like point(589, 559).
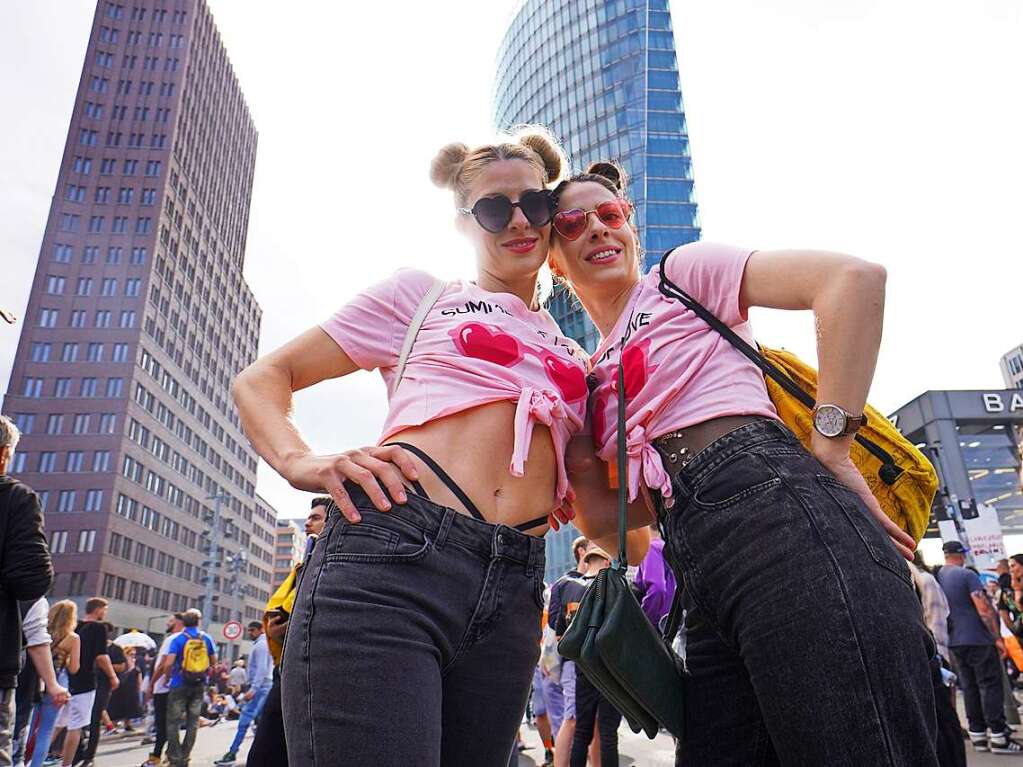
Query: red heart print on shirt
point(566, 376)
point(474, 339)
point(636, 370)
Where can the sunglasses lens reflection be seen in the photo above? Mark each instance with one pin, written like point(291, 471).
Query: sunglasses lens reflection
point(570, 223)
point(493, 213)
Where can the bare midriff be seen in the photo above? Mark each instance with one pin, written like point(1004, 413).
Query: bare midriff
point(475, 448)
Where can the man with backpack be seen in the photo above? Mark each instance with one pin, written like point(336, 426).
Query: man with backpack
point(190, 656)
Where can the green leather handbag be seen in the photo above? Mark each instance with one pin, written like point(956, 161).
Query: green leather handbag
point(613, 642)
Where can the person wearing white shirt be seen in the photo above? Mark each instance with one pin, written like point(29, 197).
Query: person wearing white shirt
point(159, 688)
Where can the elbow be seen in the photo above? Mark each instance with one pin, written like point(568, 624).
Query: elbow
point(866, 276)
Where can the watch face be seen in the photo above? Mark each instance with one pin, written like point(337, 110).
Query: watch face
point(829, 420)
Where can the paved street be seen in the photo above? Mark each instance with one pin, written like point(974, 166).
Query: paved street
point(635, 750)
point(210, 744)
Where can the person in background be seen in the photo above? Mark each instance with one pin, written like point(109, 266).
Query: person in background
point(37, 646)
point(158, 689)
point(590, 705)
point(260, 679)
point(236, 678)
point(26, 574)
point(655, 581)
point(125, 703)
point(105, 686)
point(268, 747)
point(935, 605)
point(976, 643)
point(82, 684)
point(189, 658)
point(65, 654)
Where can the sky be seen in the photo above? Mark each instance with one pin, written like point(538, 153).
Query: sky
point(889, 130)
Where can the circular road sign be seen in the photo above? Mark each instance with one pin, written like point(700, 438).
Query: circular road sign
point(232, 630)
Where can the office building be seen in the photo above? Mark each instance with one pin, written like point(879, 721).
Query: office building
point(1012, 368)
point(289, 548)
point(603, 76)
point(138, 319)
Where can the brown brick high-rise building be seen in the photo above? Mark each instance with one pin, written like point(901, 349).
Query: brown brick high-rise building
point(138, 319)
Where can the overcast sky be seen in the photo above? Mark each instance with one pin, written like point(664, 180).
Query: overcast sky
point(890, 130)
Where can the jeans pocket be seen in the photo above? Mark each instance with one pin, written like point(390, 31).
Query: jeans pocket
point(538, 588)
point(389, 541)
point(869, 531)
point(735, 481)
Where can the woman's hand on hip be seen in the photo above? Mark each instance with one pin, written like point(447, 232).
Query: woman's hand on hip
point(835, 457)
point(374, 469)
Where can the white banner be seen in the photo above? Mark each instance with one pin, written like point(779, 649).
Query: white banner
point(985, 534)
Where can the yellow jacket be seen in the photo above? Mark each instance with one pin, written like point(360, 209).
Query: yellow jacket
point(284, 598)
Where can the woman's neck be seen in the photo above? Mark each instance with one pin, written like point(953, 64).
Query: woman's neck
point(524, 288)
point(605, 307)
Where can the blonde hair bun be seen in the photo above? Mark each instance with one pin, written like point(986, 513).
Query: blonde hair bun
point(547, 148)
point(446, 165)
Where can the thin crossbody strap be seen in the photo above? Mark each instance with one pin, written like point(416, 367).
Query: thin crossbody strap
point(413, 330)
point(889, 469)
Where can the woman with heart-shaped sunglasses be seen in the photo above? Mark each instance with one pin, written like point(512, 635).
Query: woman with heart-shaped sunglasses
point(803, 639)
point(417, 619)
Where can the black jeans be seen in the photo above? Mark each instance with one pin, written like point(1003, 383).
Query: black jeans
point(591, 706)
point(413, 640)
point(806, 642)
point(980, 676)
point(160, 720)
point(268, 748)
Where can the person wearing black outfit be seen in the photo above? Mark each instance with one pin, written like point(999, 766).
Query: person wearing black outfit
point(269, 748)
point(94, 660)
point(590, 705)
point(26, 573)
point(104, 689)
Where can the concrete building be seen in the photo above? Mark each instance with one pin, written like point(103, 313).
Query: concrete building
point(289, 549)
point(1012, 368)
point(138, 319)
point(971, 438)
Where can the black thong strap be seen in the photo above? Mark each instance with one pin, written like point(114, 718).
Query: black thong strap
point(451, 485)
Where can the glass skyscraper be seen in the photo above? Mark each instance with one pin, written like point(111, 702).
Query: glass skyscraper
point(603, 76)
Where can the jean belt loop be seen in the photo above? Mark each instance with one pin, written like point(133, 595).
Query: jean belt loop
point(445, 527)
point(497, 542)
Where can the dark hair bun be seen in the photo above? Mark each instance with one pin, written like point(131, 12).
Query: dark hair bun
point(610, 171)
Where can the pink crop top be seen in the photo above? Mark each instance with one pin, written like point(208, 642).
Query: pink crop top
point(678, 370)
point(473, 348)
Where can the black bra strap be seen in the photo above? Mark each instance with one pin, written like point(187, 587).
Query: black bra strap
point(443, 477)
point(532, 523)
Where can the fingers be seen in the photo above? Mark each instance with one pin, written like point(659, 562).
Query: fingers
point(552, 520)
point(388, 474)
point(363, 477)
point(400, 458)
point(344, 503)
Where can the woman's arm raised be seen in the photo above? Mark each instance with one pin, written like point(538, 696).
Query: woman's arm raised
point(263, 393)
point(846, 295)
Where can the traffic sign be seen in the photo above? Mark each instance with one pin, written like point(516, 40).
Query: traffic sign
point(232, 630)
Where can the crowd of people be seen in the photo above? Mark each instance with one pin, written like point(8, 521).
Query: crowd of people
point(66, 680)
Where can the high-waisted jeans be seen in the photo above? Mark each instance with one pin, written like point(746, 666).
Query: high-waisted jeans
point(805, 639)
point(413, 640)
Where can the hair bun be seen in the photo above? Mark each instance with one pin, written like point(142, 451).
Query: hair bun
point(547, 148)
point(446, 165)
point(610, 171)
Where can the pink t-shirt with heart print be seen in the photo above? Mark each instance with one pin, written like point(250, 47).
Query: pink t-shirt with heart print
point(678, 370)
point(474, 347)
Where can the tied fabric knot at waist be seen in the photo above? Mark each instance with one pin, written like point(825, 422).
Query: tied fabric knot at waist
point(644, 459)
point(543, 406)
